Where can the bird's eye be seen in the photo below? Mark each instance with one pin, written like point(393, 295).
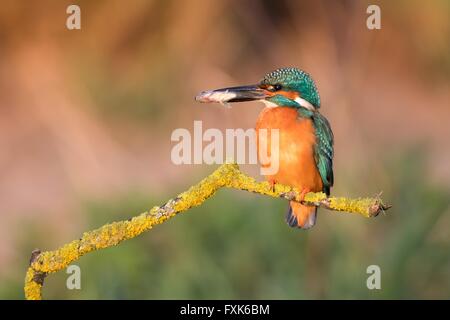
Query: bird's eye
point(273, 88)
point(277, 87)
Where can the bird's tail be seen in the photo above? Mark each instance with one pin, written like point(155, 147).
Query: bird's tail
point(301, 216)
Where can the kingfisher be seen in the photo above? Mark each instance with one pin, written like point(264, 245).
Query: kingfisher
point(306, 150)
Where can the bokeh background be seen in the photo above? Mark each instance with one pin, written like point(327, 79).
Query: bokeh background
point(85, 124)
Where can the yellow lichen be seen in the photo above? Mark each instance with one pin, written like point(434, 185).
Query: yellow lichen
point(33, 289)
point(227, 175)
point(360, 206)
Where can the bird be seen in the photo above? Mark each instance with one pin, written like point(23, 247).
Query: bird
point(306, 141)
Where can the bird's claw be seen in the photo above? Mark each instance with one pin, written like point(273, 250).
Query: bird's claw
point(272, 185)
point(303, 194)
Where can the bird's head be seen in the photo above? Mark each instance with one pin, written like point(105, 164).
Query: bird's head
point(288, 87)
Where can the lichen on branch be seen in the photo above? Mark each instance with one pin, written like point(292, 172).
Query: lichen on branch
point(226, 176)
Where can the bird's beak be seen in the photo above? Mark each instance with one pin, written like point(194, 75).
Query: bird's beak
point(233, 94)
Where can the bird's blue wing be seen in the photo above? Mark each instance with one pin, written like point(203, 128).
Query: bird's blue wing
point(323, 150)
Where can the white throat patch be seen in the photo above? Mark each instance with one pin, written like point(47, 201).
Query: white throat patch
point(269, 104)
point(304, 103)
point(300, 101)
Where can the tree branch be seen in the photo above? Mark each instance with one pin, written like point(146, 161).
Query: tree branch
point(227, 175)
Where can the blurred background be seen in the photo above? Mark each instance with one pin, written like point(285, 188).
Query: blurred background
point(86, 118)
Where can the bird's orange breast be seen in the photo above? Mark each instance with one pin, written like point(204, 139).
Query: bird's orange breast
point(297, 166)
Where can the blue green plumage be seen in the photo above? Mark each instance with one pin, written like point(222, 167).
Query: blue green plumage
point(293, 79)
point(323, 150)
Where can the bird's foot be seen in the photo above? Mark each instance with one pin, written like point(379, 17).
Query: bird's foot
point(272, 184)
point(303, 194)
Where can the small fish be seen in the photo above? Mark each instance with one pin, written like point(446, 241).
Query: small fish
point(222, 97)
point(232, 94)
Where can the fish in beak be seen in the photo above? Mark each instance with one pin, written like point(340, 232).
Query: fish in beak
point(232, 94)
